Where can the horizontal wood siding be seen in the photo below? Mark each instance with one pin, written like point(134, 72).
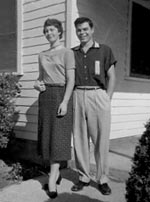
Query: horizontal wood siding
point(130, 112)
point(35, 12)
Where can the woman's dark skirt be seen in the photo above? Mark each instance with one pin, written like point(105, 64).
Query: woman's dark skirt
point(54, 133)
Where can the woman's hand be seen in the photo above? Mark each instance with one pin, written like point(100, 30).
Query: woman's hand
point(62, 110)
point(39, 86)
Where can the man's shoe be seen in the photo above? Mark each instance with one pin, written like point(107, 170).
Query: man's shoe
point(104, 189)
point(79, 186)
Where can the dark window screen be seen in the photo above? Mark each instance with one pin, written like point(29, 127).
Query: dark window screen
point(140, 42)
point(8, 36)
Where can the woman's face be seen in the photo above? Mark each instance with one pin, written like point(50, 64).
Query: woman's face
point(52, 34)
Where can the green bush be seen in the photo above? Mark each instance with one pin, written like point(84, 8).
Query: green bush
point(138, 183)
point(9, 90)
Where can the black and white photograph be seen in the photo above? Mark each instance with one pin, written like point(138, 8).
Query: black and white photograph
point(74, 101)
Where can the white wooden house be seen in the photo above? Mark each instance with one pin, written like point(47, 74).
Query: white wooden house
point(121, 24)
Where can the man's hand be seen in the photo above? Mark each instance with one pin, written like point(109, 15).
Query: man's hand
point(111, 81)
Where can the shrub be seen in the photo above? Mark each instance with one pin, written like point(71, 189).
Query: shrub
point(9, 90)
point(138, 183)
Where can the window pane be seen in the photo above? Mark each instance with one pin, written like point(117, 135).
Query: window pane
point(140, 42)
point(8, 38)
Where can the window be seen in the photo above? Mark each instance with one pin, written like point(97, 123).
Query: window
point(9, 36)
point(140, 42)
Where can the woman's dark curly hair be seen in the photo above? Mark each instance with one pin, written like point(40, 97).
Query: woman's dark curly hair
point(53, 22)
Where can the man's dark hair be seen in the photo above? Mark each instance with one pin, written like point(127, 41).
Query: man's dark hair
point(81, 20)
point(53, 22)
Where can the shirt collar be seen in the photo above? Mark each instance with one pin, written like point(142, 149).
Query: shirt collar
point(95, 45)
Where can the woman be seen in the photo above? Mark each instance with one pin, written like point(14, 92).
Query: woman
point(55, 83)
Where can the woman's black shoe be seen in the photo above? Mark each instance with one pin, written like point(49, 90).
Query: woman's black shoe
point(52, 194)
point(45, 186)
point(59, 179)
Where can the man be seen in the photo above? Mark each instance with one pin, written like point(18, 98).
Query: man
point(94, 86)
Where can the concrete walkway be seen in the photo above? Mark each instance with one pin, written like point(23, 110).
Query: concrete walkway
point(121, 152)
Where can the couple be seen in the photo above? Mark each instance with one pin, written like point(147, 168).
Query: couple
point(87, 71)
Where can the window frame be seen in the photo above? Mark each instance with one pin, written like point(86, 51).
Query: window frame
point(128, 53)
point(19, 37)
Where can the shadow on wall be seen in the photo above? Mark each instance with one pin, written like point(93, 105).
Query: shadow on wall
point(27, 148)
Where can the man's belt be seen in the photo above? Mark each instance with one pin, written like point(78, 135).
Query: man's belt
point(88, 87)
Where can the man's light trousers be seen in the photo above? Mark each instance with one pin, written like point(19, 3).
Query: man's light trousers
point(91, 120)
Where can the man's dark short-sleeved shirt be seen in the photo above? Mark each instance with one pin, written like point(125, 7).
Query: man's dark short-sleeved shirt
point(92, 66)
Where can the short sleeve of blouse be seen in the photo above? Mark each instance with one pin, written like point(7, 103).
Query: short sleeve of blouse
point(69, 59)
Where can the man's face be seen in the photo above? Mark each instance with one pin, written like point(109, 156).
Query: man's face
point(84, 32)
